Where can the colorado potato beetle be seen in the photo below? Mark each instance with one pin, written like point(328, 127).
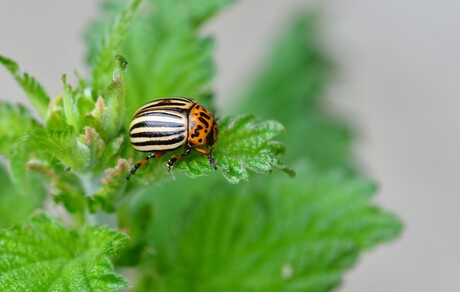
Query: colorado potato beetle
point(167, 124)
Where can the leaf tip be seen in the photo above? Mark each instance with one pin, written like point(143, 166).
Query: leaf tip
point(121, 61)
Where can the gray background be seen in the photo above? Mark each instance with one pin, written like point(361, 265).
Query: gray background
point(400, 73)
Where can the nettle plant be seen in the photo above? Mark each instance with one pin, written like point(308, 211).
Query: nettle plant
point(196, 229)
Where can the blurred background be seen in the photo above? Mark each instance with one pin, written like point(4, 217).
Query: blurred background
point(397, 83)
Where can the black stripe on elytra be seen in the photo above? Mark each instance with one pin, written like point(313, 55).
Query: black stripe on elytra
point(156, 134)
point(171, 104)
point(157, 124)
point(205, 115)
point(179, 102)
point(171, 109)
point(160, 142)
point(159, 114)
point(174, 99)
point(203, 121)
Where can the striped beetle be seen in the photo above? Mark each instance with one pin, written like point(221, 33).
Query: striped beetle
point(167, 124)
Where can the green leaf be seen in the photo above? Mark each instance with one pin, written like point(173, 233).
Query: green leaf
point(16, 206)
point(44, 256)
point(15, 121)
point(112, 188)
point(28, 172)
point(290, 88)
point(95, 144)
point(31, 87)
point(61, 144)
point(69, 101)
point(43, 157)
point(271, 235)
point(244, 144)
point(116, 98)
point(112, 44)
point(69, 189)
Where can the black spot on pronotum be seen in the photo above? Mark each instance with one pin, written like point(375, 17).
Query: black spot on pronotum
point(197, 131)
point(203, 121)
point(200, 140)
point(204, 115)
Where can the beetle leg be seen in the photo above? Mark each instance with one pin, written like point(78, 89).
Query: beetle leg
point(208, 153)
point(176, 157)
point(143, 162)
point(212, 161)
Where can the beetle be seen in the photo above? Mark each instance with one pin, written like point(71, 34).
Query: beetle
point(167, 124)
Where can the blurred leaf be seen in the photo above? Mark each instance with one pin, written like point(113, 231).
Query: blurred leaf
point(15, 121)
point(69, 190)
point(290, 88)
point(294, 75)
point(15, 206)
point(191, 12)
point(174, 63)
point(166, 55)
point(27, 181)
point(44, 256)
point(324, 140)
point(98, 28)
point(276, 235)
point(113, 149)
point(112, 44)
point(37, 95)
